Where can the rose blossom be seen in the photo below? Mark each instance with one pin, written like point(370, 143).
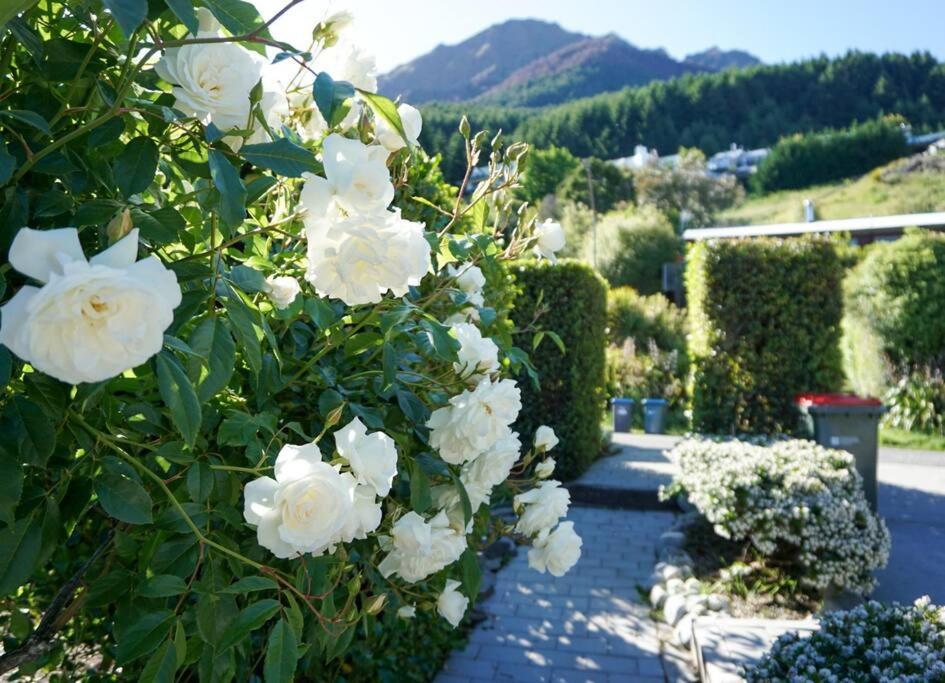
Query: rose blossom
point(543, 506)
point(356, 180)
point(452, 604)
point(372, 457)
point(477, 355)
point(545, 438)
point(407, 612)
point(555, 551)
point(92, 319)
point(545, 468)
point(418, 548)
point(212, 81)
point(282, 290)
point(551, 239)
point(474, 420)
point(306, 508)
point(390, 138)
point(470, 280)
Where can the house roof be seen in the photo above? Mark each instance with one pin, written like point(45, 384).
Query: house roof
point(865, 224)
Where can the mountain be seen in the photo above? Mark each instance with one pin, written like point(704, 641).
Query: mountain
point(716, 59)
point(452, 73)
point(528, 62)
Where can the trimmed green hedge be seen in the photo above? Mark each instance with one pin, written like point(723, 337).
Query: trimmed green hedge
point(804, 160)
point(764, 320)
point(572, 301)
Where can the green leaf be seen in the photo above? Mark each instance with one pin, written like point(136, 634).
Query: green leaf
point(128, 13)
point(179, 396)
point(161, 666)
point(11, 488)
point(384, 108)
point(463, 498)
point(389, 363)
point(25, 426)
point(30, 118)
point(247, 621)
point(282, 654)
point(123, 498)
point(420, 498)
point(19, 550)
point(162, 586)
point(214, 615)
point(331, 98)
point(143, 636)
point(232, 191)
point(212, 341)
point(249, 584)
point(281, 156)
point(199, 482)
point(135, 166)
point(238, 17)
point(184, 10)
point(247, 279)
point(7, 163)
point(245, 326)
point(444, 344)
point(472, 574)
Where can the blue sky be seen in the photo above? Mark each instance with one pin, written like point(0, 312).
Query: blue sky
point(775, 30)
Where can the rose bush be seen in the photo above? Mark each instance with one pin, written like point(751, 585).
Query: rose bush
point(259, 426)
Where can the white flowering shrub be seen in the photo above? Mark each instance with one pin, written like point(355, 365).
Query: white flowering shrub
point(798, 504)
point(255, 389)
point(878, 642)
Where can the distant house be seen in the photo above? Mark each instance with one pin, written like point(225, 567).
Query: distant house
point(736, 161)
point(641, 157)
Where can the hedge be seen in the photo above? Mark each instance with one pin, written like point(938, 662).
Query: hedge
point(804, 160)
point(644, 318)
point(764, 320)
point(572, 301)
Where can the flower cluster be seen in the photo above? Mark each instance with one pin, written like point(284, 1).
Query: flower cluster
point(872, 642)
point(794, 500)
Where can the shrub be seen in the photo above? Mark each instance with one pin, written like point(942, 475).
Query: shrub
point(896, 295)
point(764, 325)
point(804, 160)
point(611, 185)
point(570, 299)
point(544, 170)
point(632, 247)
point(644, 319)
point(917, 402)
point(871, 642)
point(652, 374)
point(796, 502)
point(687, 187)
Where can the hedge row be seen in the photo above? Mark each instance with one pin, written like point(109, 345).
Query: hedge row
point(804, 160)
point(572, 301)
point(764, 320)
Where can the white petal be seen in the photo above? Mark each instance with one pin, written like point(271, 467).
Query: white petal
point(40, 253)
point(259, 498)
point(121, 254)
point(14, 315)
point(267, 533)
point(160, 278)
point(295, 462)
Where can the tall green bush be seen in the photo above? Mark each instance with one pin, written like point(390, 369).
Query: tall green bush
point(802, 160)
point(631, 248)
point(610, 184)
point(544, 170)
point(764, 320)
point(570, 299)
point(631, 315)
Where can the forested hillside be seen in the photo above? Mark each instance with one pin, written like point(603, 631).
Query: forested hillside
point(752, 107)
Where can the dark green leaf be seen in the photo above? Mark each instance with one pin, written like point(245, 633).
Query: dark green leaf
point(321, 312)
point(389, 362)
point(161, 666)
point(26, 425)
point(282, 654)
point(19, 550)
point(28, 117)
point(162, 586)
point(415, 410)
point(179, 396)
point(52, 203)
point(281, 156)
point(28, 38)
point(247, 621)
point(444, 344)
point(248, 279)
point(128, 13)
point(232, 192)
point(11, 487)
point(245, 326)
point(214, 614)
point(249, 584)
point(143, 636)
point(184, 10)
point(123, 498)
point(135, 166)
point(420, 498)
point(7, 163)
point(238, 17)
point(385, 109)
point(463, 498)
point(199, 482)
point(331, 98)
point(472, 574)
point(212, 341)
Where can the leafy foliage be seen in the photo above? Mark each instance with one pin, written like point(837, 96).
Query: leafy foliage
point(545, 169)
point(764, 320)
point(596, 184)
point(570, 299)
point(644, 319)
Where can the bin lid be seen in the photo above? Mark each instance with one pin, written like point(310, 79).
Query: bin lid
point(840, 400)
point(654, 401)
point(622, 401)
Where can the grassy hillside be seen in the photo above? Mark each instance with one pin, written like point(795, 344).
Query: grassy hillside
point(875, 194)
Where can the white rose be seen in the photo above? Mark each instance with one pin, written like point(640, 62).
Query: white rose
point(452, 604)
point(543, 506)
point(471, 281)
point(556, 552)
point(282, 290)
point(366, 514)
point(305, 509)
point(545, 438)
point(418, 548)
point(372, 457)
point(475, 420)
point(388, 136)
point(338, 20)
point(356, 180)
point(359, 258)
point(545, 468)
point(550, 239)
point(493, 467)
point(91, 320)
point(349, 62)
point(212, 81)
point(477, 355)
point(407, 612)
